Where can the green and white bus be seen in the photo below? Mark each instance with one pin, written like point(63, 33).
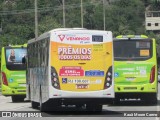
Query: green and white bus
point(13, 72)
point(135, 68)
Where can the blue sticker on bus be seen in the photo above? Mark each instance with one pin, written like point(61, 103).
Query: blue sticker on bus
point(94, 73)
point(10, 80)
point(116, 74)
point(64, 80)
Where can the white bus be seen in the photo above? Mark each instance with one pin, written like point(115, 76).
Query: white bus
point(69, 66)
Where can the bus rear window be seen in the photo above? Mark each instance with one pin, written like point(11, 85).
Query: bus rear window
point(132, 50)
point(14, 58)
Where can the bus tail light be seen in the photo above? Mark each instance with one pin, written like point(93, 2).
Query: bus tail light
point(54, 78)
point(4, 79)
point(108, 78)
point(152, 74)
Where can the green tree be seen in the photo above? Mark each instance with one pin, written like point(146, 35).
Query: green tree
point(126, 17)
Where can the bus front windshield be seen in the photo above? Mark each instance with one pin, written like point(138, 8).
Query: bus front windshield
point(132, 50)
point(14, 58)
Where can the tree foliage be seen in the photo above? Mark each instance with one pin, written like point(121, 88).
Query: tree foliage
point(122, 17)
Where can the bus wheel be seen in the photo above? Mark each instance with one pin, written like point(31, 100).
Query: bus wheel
point(152, 99)
point(14, 99)
point(17, 98)
point(34, 105)
point(43, 106)
point(95, 107)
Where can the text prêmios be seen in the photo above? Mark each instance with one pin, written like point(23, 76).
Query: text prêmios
point(70, 53)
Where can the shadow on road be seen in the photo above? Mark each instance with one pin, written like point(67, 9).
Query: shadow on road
point(79, 112)
point(70, 113)
point(135, 103)
point(25, 101)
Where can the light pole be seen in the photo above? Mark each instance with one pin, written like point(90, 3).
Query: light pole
point(64, 20)
point(82, 13)
point(36, 20)
point(1, 26)
point(104, 15)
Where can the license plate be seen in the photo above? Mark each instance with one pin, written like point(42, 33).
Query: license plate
point(82, 86)
point(79, 81)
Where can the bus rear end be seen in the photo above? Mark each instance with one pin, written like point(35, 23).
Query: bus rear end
point(81, 67)
point(135, 68)
point(13, 72)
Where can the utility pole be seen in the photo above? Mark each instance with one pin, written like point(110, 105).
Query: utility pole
point(64, 20)
point(104, 15)
point(36, 21)
point(82, 13)
point(1, 26)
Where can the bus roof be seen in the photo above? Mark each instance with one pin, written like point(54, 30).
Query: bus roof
point(131, 36)
point(47, 34)
point(22, 45)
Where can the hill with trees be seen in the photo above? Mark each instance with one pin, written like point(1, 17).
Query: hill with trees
point(121, 17)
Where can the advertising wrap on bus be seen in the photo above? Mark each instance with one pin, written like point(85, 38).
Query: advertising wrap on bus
point(82, 61)
point(13, 71)
point(135, 68)
point(71, 67)
point(133, 73)
point(14, 58)
point(18, 54)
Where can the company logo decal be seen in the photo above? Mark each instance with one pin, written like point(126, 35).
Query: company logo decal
point(73, 38)
point(61, 37)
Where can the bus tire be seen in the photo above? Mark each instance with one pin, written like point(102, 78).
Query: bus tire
point(14, 98)
point(17, 98)
point(43, 106)
point(34, 105)
point(152, 100)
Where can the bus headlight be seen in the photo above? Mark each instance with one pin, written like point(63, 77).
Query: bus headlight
point(54, 78)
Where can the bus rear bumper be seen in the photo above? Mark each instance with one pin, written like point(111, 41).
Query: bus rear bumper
point(7, 91)
point(136, 88)
point(74, 101)
point(107, 93)
point(70, 97)
point(135, 95)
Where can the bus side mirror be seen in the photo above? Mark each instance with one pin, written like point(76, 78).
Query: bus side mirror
point(24, 60)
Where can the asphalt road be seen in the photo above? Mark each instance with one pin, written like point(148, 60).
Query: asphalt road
point(126, 110)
